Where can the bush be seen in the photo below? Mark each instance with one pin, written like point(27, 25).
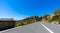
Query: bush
point(18, 24)
point(49, 21)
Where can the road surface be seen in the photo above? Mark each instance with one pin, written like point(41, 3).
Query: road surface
point(37, 27)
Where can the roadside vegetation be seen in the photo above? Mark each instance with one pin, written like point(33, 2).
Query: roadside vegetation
point(54, 18)
point(26, 21)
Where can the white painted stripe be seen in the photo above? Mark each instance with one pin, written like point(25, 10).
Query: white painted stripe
point(10, 29)
point(47, 28)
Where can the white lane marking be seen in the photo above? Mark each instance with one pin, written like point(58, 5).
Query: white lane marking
point(10, 29)
point(47, 28)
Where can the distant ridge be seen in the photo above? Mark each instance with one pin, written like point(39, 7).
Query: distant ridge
point(6, 19)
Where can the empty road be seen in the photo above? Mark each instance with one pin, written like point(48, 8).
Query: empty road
point(37, 27)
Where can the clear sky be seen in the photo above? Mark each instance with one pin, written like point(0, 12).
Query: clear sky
point(20, 9)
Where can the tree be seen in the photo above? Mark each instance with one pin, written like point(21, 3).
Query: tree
point(45, 16)
point(57, 15)
point(40, 18)
point(56, 18)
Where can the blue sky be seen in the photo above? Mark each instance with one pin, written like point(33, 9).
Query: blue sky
point(20, 9)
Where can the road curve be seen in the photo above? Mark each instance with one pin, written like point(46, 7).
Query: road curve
point(37, 27)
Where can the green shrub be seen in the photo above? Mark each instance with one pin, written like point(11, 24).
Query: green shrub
point(18, 24)
point(49, 21)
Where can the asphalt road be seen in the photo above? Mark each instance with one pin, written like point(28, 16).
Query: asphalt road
point(37, 27)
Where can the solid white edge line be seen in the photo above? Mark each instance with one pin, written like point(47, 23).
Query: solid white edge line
point(47, 28)
point(10, 29)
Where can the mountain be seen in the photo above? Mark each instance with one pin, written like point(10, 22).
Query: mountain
point(6, 19)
